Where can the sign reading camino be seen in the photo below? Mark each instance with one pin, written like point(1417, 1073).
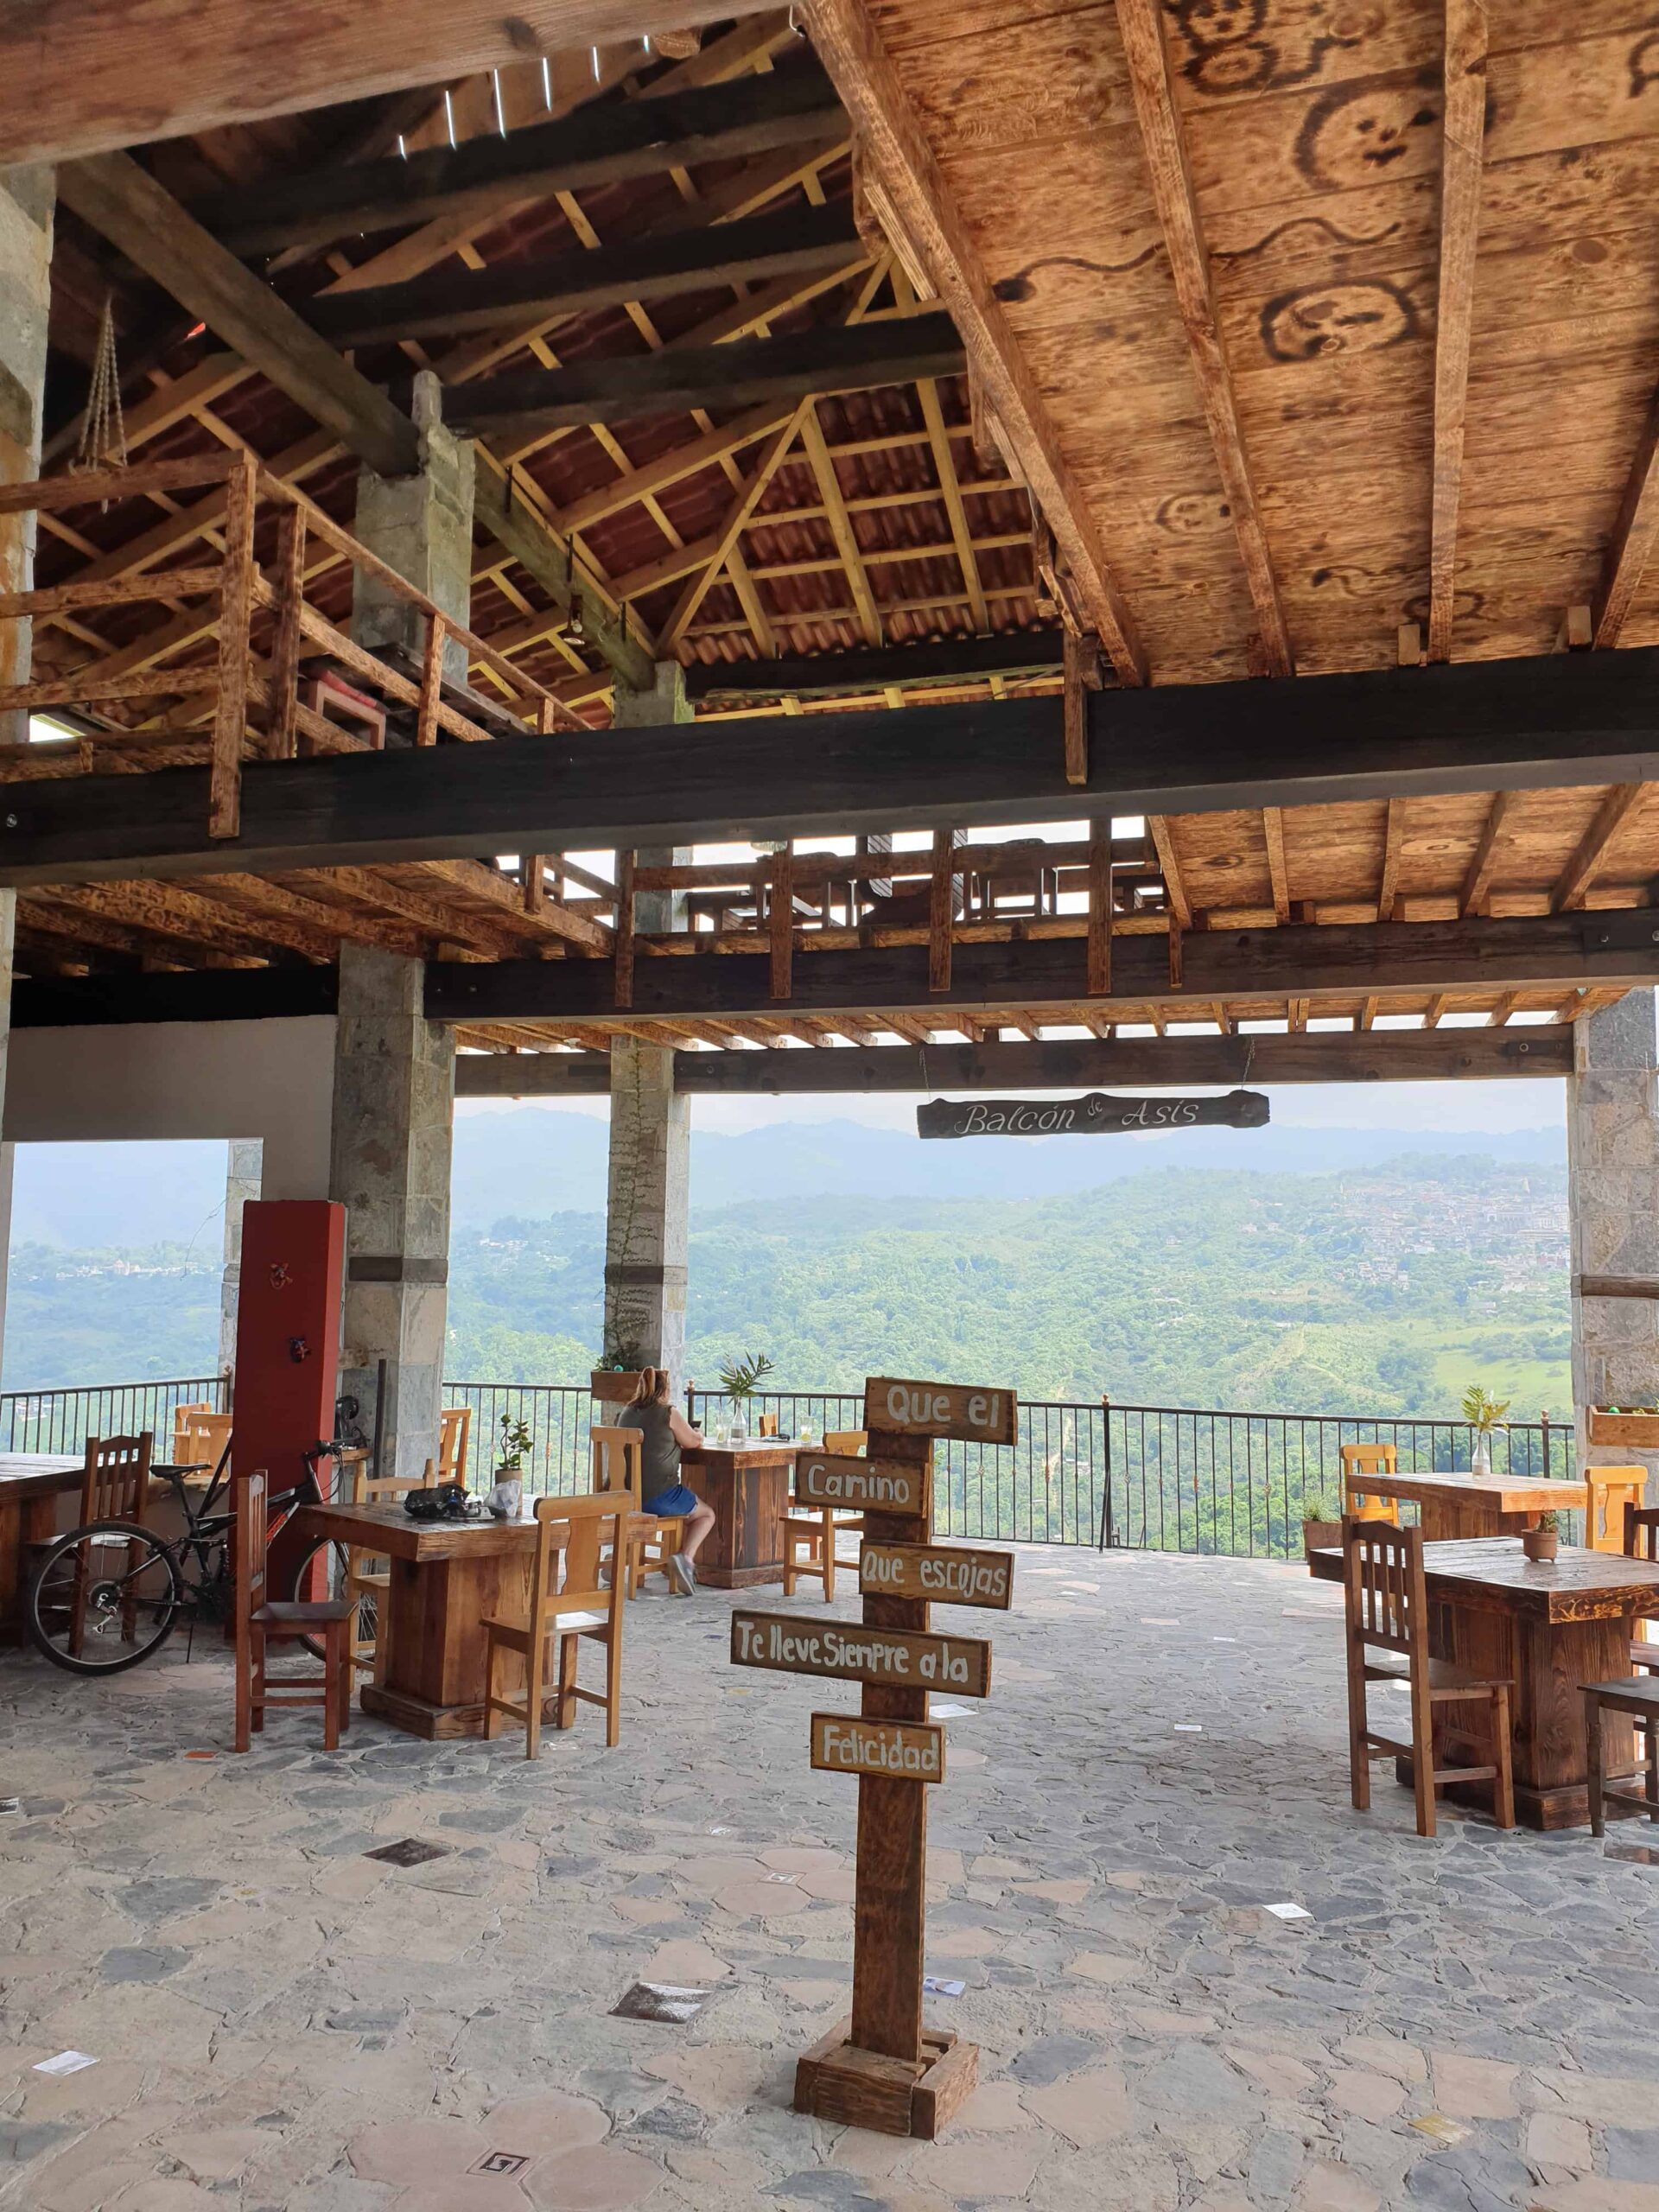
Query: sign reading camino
point(943, 1574)
point(960, 1409)
point(890, 1486)
point(1097, 1114)
point(899, 1658)
point(904, 1750)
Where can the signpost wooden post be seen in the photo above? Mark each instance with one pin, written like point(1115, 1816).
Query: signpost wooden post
point(882, 2067)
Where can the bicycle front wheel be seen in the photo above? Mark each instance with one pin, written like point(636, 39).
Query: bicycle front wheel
point(103, 1598)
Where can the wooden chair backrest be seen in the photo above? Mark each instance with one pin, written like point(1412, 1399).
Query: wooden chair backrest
point(618, 1461)
point(1641, 1532)
point(1370, 1460)
point(593, 1521)
point(768, 1425)
point(1607, 1491)
point(846, 1440)
point(1383, 1584)
point(199, 1434)
point(248, 1548)
point(454, 1438)
point(115, 1479)
point(182, 1417)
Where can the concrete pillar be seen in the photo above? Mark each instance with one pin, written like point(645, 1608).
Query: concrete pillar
point(647, 1221)
point(1612, 1141)
point(27, 200)
point(421, 525)
point(244, 1173)
point(394, 1106)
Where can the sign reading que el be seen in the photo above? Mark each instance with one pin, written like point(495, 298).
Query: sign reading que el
point(961, 1410)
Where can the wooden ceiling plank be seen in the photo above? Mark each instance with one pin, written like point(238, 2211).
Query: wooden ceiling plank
point(1463, 151)
point(1394, 828)
point(1273, 830)
point(895, 155)
point(1477, 884)
point(1590, 855)
point(1141, 27)
point(724, 543)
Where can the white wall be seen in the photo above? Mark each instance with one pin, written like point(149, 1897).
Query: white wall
point(273, 1080)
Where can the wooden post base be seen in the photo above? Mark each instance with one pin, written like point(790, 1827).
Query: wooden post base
point(836, 2080)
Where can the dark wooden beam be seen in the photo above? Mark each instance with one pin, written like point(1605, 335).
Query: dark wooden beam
point(1049, 978)
point(606, 143)
point(1521, 725)
point(744, 373)
point(943, 660)
point(205, 994)
point(100, 81)
point(658, 267)
point(1391, 1056)
point(123, 203)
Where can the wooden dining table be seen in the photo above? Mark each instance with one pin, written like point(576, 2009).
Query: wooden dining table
point(31, 1484)
point(1545, 1627)
point(747, 1485)
point(447, 1577)
point(1454, 1505)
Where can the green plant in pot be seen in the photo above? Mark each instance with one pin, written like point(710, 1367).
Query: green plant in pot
point(516, 1445)
point(1543, 1542)
point(1321, 1525)
point(1484, 1413)
point(739, 1379)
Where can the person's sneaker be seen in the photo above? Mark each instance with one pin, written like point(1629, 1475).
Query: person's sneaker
point(682, 1575)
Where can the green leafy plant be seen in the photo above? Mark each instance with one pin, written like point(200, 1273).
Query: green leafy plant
point(1549, 1524)
point(618, 1358)
point(1481, 1410)
point(741, 1378)
point(516, 1442)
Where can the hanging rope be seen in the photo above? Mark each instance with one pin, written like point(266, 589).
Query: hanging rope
point(103, 431)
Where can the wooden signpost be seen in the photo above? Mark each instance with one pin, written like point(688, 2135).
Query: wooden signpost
point(881, 2068)
point(1097, 1114)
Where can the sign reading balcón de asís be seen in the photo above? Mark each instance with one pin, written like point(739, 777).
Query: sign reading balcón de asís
point(901, 1658)
point(1096, 1114)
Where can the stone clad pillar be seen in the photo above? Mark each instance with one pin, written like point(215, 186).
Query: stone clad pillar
point(244, 1173)
point(27, 200)
point(1612, 1132)
point(421, 525)
point(394, 1105)
point(647, 1220)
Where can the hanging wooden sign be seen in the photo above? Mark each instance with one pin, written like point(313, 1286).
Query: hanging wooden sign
point(854, 1652)
point(898, 1750)
point(965, 1411)
point(890, 1486)
point(947, 1573)
point(1097, 1114)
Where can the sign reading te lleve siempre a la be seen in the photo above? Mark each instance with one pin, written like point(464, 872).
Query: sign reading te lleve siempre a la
point(912, 1751)
point(904, 1658)
point(1096, 1114)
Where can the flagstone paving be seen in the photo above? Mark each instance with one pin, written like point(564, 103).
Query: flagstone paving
point(279, 2021)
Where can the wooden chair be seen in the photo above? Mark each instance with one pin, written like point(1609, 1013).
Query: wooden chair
point(368, 1574)
point(1607, 1491)
point(454, 1437)
point(114, 1486)
point(1387, 1609)
point(1642, 1541)
point(1369, 1459)
point(581, 1608)
point(183, 1416)
point(811, 1531)
point(650, 1540)
point(1636, 1701)
point(261, 1622)
point(768, 1425)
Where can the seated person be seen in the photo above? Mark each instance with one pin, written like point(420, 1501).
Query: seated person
point(667, 1432)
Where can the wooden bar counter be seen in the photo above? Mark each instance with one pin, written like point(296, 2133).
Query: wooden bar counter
point(1450, 1506)
point(447, 1577)
point(747, 1485)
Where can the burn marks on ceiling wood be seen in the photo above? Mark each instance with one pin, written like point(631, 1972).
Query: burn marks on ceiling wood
point(1322, 319)
point(1226, 47)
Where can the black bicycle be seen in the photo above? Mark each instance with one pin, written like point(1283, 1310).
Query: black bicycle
point(108, 1595)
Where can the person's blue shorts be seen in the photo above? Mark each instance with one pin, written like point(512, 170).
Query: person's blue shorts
point(679, 1500)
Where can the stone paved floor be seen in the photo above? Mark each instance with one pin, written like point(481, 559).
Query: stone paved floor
point(279, 2021)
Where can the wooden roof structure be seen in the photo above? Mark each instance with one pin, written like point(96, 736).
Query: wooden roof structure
point(965, 353)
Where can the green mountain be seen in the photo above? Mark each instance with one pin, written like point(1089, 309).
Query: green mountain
point(1376, 1291)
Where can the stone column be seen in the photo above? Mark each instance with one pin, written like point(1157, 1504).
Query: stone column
point(647, 1221)
point(245, 1171)
point(394, 1104)
point(27, 200)
point(1612, 1134)
point(421, 525)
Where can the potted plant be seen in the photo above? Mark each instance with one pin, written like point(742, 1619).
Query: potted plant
point(507, 1497)
point(1543, 1542)
point(1321, 1529)
point(616, 1378)
point(739, 1379)
point(1483, 1413)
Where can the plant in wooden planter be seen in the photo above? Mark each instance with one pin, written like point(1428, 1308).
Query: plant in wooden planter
point(1484, 1413)
point(1634, 1428)
point(1543, 1542)
point(1322, 1528)
point(616, 1378)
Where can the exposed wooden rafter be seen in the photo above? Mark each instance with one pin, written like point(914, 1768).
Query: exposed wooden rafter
point(1465, 130)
